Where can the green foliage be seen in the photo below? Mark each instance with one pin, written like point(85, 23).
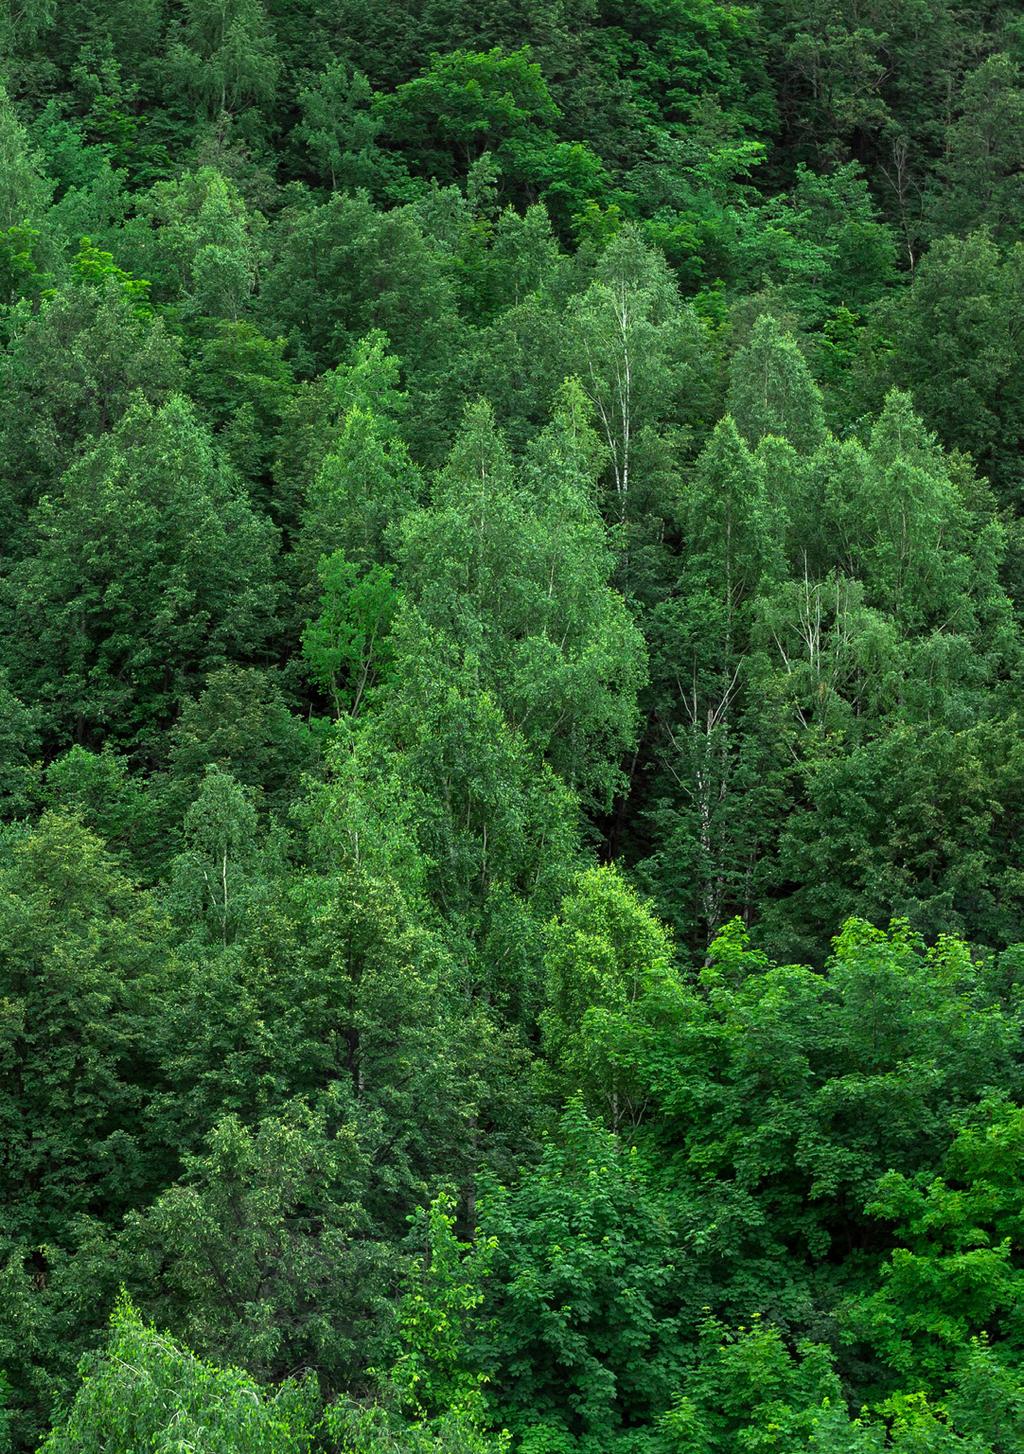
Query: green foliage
point(200, 243)
point(241, 723)
point(342, 269)
point(365, 481)
point(430, 1398)
point(791, 1092)
point(340, 129)
point(639, 352)
point(951, 340)
point(149, 526)
point(24, 193)
point(19, 742)
point(94, 265)
point(452, 799)
point(430, 1374)
point(20, 273)
point(467, 103)
point(346, 648)
point(954, 1275)
point(511, 563)
point(69, 372)
point(83, 955)
point(980, 178)
point(214, 876)
point(607, 959)
point(243, 380)
point(268, 1220)
point(748, 1391)
point(511, 577)
point(585, 1327)
point(773, 392)
point(146, 1391)
point(99, 788)
point(222, 56)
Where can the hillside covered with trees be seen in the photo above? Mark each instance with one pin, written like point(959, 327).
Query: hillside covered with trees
point(511, 727)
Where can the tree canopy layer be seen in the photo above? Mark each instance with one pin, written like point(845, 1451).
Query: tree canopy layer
point(511, 744)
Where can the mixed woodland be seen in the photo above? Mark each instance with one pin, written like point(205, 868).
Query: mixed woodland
point(511, 727)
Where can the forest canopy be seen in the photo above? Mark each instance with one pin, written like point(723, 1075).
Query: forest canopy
point(511, 744)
